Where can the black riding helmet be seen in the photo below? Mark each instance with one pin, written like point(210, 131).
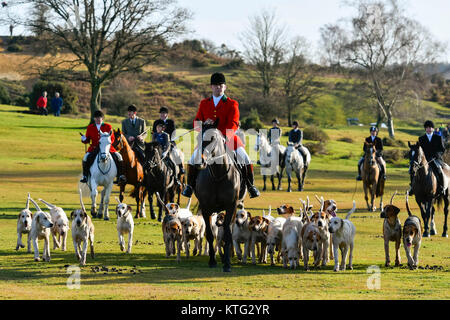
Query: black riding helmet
point(276, 121)
point(428, 123)
point(373, 128)
point(98, 113)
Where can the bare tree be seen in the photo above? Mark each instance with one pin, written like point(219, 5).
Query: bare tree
point(110, 37)
point(297, 77)
point(263, 43)
point(387, 46)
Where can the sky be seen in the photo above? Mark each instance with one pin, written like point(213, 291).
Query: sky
point(223, 21)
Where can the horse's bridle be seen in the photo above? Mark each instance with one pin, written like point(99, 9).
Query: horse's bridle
point(211, 160)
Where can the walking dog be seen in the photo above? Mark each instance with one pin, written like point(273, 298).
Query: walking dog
point(82, 232)
point(392, 231)
point(274, 238)
point(291, 237)
point(242, 234)
point(40, 229)
point(220, 241)
point(330, 207)
point(125, 225)
point(24, 222)
point(181, 213)
point(193, 229)
point(322, 220)
point(172, 230)
point(412, 236)
point(343, 238)
point(259, 229)
point(60, 225)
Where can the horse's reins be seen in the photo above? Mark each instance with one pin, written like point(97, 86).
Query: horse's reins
point(98, 164)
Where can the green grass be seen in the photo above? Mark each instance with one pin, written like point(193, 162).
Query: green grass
point(42, 155)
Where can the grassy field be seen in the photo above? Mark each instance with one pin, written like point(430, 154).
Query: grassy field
point(42, 155)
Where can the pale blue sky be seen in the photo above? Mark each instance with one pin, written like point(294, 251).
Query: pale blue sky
point(223, 21)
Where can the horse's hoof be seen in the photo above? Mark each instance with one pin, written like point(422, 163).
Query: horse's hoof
point(289, 190)
point(226, 269)
point(445, 235)
point(426, 234)
point(432, 232)
point(106, 219)
point(100, 216)
point(280, 188)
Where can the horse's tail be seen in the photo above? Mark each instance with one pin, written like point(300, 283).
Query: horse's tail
point(380, 187)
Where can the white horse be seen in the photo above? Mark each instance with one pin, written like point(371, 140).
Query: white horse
point(271, 159)
point(103, 171)
point(294, 163)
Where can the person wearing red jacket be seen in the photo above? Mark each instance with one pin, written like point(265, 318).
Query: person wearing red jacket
point(226, 110)
point(92, 136)
point(42, 104)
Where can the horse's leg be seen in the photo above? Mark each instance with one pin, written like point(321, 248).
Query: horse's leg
point(210, 238)
point(106, 197)
point(122, 189)
point(272, 180)
point(230, 212)
point(289, 181)
point(365, 195)
point(432, 226)
point(101, 206)
point(264, 180)
point(304, 177)
point(425, 218)
point(93, 200)
point(150, 203)
point(373, 196)
point(280, 176)
point(299, 180)
point(446, 202)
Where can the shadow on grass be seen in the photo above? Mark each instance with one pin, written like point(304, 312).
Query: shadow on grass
point(148, 268)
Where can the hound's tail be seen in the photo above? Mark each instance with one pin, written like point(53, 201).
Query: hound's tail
point(28, 202)
point(407, 204)
point(49, 205)
point(189, 203)
point(351, 211)
point(35, 204)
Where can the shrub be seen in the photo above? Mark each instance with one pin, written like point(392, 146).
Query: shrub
point(315, 134)
point(387, 141)
point(198, 62)
point(395, 155)
point(316, 148)
point(346, 139)
point(69, 96)
point(252, 121)
point(15, 48)
point(4, 95)
point(120, 94)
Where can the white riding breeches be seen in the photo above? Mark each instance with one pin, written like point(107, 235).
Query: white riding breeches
point(242, 157)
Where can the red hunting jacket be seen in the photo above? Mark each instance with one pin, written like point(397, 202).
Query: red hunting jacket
point(93, 136)
point(227, 111)
point(42, 102)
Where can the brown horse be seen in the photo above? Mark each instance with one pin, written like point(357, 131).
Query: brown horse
point(424, 186)
point(372, 182)
point(133, 172)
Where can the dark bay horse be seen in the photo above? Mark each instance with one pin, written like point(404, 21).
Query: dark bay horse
point(424, 186)
point(133, 172)
point(158, 177)
point(372, 182)
point(218, 188)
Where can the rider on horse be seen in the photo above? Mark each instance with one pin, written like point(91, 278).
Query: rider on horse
point(296, 137)
point(274, 132)
point(163, 139)
point(93, 136)
point(134, 129)
point(433, 148)
point(376, 141)
point(169, 128)
point(226, 110)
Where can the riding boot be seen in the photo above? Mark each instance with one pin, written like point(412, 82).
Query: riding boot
point(120, 164)
point(359, 178)
point(252, 190)
point(174, 169)
point(182, 171)
point(191, 177)
point(439, 182)
point(85, 172)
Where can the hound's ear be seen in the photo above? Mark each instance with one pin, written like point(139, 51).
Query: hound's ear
point(31, 214)
point(409, 144)
point(266, 220)
point(249, 214)
point(129, 209)
point(37, 218)
point(396, 210)
point(71, 214)
point(18, 217)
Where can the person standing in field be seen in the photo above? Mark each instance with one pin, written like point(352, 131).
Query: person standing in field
point(42, 104)
point(56, 103)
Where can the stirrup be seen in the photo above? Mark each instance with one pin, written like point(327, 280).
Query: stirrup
point(187, 192)
point(254, 193)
